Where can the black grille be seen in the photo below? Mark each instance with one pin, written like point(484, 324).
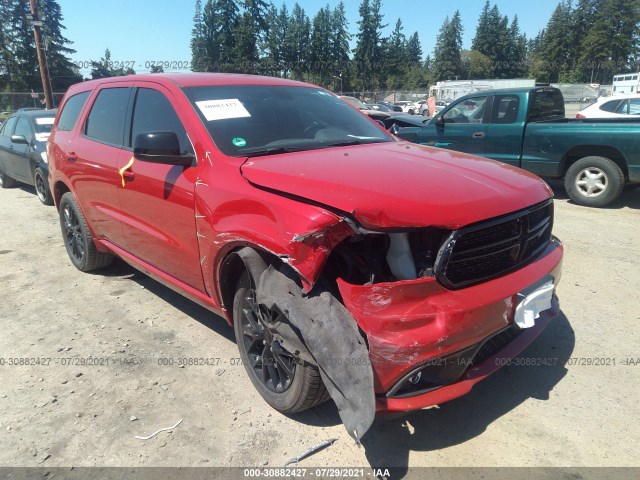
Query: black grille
point(495, 247)
point(496, 343)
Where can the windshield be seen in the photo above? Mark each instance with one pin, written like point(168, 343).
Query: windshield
point(254, 120)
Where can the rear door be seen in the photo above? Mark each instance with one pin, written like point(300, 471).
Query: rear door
point(464, 128)
point(92, 158)
point(505, 129)
point(157, 200)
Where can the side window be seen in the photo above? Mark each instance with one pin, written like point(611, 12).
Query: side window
point(634, 106)
point(623, 107)
point(610, 106)
point(468, 111)
point(7, 128)
point(23, 128)
point(505, 109)
point(106, 119)
point(154, 113)
point(71, 111)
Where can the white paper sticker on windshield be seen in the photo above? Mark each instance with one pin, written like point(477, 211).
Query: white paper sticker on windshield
point(45, 120)
point(222, 109)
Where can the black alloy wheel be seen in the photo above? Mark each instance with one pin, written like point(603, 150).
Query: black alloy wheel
point(271, 363)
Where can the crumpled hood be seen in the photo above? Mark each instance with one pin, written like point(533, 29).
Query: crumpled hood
point(400, 184)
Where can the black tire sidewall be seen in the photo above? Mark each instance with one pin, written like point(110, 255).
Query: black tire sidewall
point(47, 200)
point(615, 181)
point(67, 199)
point(286, 401)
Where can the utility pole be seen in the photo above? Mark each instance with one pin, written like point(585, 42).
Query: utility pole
point(36, 22)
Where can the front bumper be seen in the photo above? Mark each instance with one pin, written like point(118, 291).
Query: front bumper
point(416, 323)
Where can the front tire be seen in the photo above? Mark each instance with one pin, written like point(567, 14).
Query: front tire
point(594, 181)
point(284, 381)
point(78, 239)
point(42, 188)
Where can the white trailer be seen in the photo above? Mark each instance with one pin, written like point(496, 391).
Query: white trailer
point(625, 83)
point(452, 89)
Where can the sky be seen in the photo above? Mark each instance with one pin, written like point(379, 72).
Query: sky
point(139, 32)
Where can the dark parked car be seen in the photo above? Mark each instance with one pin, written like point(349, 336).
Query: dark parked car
point(23, 151)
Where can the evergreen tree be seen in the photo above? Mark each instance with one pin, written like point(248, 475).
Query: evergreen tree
point(220, 24)
point(199, 60)
point(273, 61)
point(367, 59)
point(552, 62)
point(339, 44)
point(296, 46)
point(611, 43)
point(6, 62)
point(447, 62)
point(103, 68)
point(62, 71)
point(413, 53)
point(517, 51)
point(320, 57)
point(394, 50)
point(24, 71)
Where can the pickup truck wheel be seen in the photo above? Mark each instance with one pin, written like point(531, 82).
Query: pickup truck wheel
point(78, 239)
point(284, 381)
point(42, 188)
point(6, 181)
point(594, 181)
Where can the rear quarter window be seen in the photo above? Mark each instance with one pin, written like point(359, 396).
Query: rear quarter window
point(105, 122)
point(546, 103)
point(71, 111)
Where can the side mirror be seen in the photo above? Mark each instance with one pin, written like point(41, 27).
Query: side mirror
point(19, 139)
point(440, 121)
point(160, 147)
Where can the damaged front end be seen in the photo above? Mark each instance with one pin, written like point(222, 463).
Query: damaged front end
point(407, 318)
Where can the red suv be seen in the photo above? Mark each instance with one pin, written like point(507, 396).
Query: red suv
point(387, 275)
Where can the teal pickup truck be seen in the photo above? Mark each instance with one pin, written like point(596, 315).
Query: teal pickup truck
point(526, 127)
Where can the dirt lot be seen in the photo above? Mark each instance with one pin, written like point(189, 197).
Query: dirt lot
point(581, 409)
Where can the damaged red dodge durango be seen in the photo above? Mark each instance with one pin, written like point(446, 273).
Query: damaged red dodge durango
point(386, 275)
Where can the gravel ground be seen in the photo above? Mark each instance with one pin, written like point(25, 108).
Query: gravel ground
point(106, 349)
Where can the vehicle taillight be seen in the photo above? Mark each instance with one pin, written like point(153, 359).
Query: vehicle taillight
point(579, 115)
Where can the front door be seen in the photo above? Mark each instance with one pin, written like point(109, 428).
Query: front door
point(464, 128)
point(157, 200)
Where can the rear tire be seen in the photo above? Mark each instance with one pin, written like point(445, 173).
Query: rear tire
point(284, 381)
point(78, 239)
point(6, 181)
point(594, 181)
point(42, 187)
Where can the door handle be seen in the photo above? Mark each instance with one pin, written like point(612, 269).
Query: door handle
point(72, 157)
point(478, 135)
point(128, 175)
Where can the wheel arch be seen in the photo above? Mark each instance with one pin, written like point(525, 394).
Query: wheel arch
point(59, 189)
point(241, 258)
point(576, 153)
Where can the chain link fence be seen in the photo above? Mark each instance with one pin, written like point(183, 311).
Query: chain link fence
point(12, 101)
point(389, 95)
